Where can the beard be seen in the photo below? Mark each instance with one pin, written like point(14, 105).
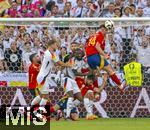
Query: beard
point(39, 62)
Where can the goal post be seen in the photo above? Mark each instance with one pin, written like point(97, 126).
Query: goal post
point(47, 22)
point(34, 33)
point(74, 19)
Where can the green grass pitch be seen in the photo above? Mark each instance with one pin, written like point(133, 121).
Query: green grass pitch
point(99, 124)
point(103, 124)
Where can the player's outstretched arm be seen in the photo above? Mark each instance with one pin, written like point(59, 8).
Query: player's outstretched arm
point(68, 64)
point(79, 73)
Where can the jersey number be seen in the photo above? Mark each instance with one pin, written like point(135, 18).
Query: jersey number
point(92, 41)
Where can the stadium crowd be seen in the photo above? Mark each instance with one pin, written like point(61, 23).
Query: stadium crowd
point(77, 8)
point(17, 43)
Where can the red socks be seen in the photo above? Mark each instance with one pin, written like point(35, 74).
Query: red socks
point(115, 79)
point(52, 109)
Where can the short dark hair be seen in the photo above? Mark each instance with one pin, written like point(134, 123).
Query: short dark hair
point(133, 5)
point(91, 77)
point(102, 26)
point(67, 58)
point(111, 3)
point(68, 3)
point(27, 43)
point(26, 34)
point(51, 42)
point(32, 56)
point(34, 31)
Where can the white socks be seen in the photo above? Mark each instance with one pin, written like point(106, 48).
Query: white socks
point(88, 106)
point(69, 106)
point(43, 102)
point(36, 100)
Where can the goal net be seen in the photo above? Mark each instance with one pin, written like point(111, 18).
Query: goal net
point(21, 37)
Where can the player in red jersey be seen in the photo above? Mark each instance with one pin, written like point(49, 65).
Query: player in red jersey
point(90, 90)
point(96, 57)
point(34, 69)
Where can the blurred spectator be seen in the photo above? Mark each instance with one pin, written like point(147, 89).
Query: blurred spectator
point(63, 53)
point(3, 67)
point(147, 9)
point(139, 12)
point(13, 58)
point(54, 12)
point(142, 3)
point(132, 10)
point(7, 38)
point(147, 32)
point(25, 56)
point(79, 37)
point(138, 37)
point(67, 10)
point(61, 5)
point(76, 8)
point(24, 11)
point(114, 55)
point(126, 12)
point(117, 12)
point(143, 55)
point(13, 11)
point(119, 3)
point(17, 43)
point(80, 10)
point(110, 12)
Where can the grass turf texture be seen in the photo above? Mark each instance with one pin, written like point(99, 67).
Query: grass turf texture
point(103, 124)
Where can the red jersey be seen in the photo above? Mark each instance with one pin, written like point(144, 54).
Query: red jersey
point(91, 43)
point(33, 72)
point(84, 87)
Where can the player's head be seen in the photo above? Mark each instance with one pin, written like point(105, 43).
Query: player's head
point(52, 44)
point(79, 54)
point(108, 26)
point(103, 29)
point(90, 79)
point(74, 116)
point(73, 46)
point(34, 58)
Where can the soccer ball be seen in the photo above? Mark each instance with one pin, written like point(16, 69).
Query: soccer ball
point(109, 24)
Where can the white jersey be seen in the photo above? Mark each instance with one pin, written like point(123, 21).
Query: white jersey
point(48, 63)
point(79, 65)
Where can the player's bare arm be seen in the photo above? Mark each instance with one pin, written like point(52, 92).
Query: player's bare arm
point(81, 74)
point(68, 64)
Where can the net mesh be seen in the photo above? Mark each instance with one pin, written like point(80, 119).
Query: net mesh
point(123, 43)
point(130, 40)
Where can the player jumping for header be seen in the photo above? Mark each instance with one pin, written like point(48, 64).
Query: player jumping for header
point(96, 57)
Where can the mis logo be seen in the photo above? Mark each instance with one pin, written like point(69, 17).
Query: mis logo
point(24, 114)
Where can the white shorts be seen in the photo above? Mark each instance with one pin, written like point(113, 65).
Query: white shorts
point(70, 85)
point(45, 84)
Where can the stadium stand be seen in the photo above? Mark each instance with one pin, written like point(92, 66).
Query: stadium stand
point(75, 8)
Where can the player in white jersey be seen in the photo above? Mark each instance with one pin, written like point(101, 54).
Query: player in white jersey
point(44, 77)
point(71, 88)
